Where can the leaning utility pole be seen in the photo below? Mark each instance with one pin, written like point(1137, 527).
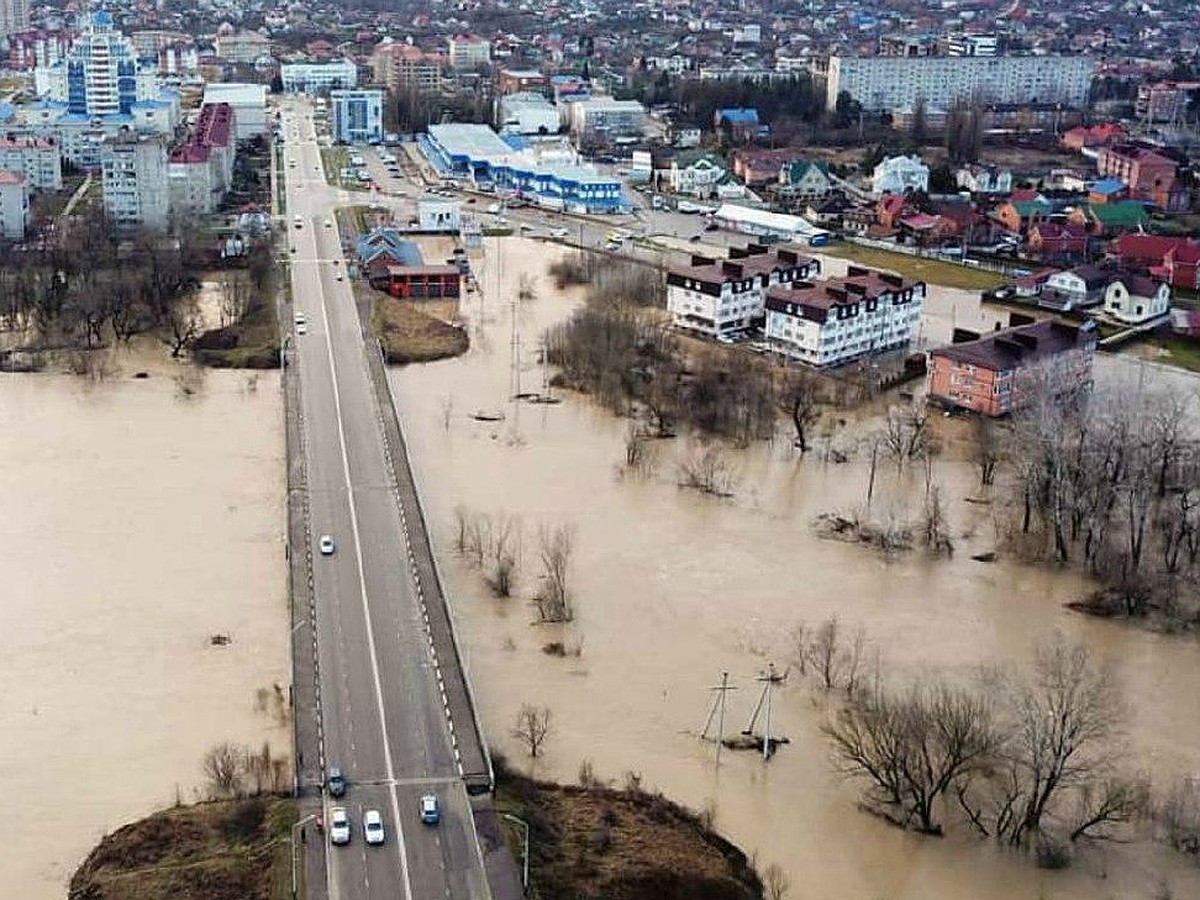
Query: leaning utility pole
point(718, 709)
point(767, 679)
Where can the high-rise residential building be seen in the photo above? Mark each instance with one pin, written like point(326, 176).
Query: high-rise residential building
point(895, 83)
point(101, 74)
point(14, 17)
point(201, 169)
point(136, 181)
point(403, 67)
point(249, 102)
point(357, 116)
point(38, 159)
point(469, 51)
point(14, 205)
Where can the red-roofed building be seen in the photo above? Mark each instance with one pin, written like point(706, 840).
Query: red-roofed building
point(1174, 259)
point(1055, 242)
point(200, 171)
point(1101, 135)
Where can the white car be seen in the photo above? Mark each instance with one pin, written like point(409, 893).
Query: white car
point(329, 223)
point(373, 827)
point(560, 232)
point(302, 328)
point(493, 208)
point(337, 277)
point(301, 318)
point(328, 547)
point(339, 826)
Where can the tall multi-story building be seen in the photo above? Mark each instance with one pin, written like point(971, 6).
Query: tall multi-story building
point(136, 181)
point(101, 74)
point(14, 17)
point(241, 46)
point(402, 67)
point(357, 116)
point(249, 102)
point(469, 51)
point(14, 205)
point(200, 171)
point(894, 83)
point(719, 297)
point(310, 78)
point(835, 321)
point(38, 159)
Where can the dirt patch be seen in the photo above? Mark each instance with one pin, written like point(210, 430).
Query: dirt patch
point(251, 343)
point(417, 332)
point(226, 850)
point(597, 842)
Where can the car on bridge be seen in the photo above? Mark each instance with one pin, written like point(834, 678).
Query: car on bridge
point(339, 826)
point(327, 546)
point(336, 783)
point(373, 827)
point(431, 813)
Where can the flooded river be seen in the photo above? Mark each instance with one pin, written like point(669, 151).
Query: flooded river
point(673, 588)
point(138, 523)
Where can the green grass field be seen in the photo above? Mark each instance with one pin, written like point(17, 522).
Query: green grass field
point(931, 271)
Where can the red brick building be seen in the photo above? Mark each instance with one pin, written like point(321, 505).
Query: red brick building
point(1095, 136)
point(990, 375)
point(422, 282)
point(1145, 171)
point(1174, 259)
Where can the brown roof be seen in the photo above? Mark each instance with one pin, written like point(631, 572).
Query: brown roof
point(755, 262)
point(813, 301)
point(1012, 348)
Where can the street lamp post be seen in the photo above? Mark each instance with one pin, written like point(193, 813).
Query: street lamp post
point(300, 824)
point(525, 850)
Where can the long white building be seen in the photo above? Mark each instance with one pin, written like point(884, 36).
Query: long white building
point(311, 78)
point(726, 296)
point(841, 319)
point(893, 83)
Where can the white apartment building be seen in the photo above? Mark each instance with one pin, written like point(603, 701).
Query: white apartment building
point(899, 175)
point(606, 116)
point(14, 205)
point(38, 159)
point(136, 181)
point(972, 45)
point(241, 46)
point(249, 102)
point(311, 78)
point(893, 83)
point(835, 321)
point(14, 17)
point(469, 51)
point(718, 297)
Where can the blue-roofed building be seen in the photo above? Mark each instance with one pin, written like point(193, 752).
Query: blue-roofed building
point(1107, 190)
point(548, 176)
point(742, 122)
point(387, 246)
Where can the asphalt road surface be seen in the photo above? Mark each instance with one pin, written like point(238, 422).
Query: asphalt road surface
point(383, 717)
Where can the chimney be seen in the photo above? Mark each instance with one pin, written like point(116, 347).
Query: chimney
point(787, 256)
point(856, 271)
point(731, 269)
point(1016, 318)
point(894, 280)
point(700, 261)
point(738, 252)
point(755, 249)
point(963, 336)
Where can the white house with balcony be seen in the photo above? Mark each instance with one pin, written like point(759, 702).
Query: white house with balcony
point(984, 180)
point(841, 319)
point(718, 297)
point(900, 175)
point(695, 174)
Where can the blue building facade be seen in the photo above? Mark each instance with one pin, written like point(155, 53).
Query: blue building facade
point(357, 116)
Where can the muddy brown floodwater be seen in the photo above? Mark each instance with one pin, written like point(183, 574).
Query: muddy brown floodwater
point(673, 588)
point(136, 525)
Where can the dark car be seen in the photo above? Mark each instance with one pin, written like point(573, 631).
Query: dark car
point(336, 783)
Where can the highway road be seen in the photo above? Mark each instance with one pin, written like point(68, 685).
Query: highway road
point(383, 718)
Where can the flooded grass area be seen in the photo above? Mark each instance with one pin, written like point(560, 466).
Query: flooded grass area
point(145, 604)
point(671, 588)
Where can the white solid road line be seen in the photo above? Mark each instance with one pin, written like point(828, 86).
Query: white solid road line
point(362, 584)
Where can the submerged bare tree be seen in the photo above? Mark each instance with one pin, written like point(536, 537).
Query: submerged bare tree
point(706, 468)
point(532, 727)
point(556, 545)
point(799, 393)
point(222, 767)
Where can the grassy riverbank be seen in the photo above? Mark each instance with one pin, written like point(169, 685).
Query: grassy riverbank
point(416, 332)
point(597, 843)
point(224, 850)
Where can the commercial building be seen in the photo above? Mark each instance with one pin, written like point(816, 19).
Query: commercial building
point(400, 67)
point(996, 374)
point(14, 205)
point(832, 322)
point(527, 113)
point(38, 159)
point(606, 117)
point(136, 182)
point(550, 177)
point(312, 78)
point(765, 224)
point(512, 81)
point(249, 102)
point(894, 83)
point(720, 297)
point(200, 171)
point(357, 116)
point(439, 214)
point(245, 47)
point(469, 51)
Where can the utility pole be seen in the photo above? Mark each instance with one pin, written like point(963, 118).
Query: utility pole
point(767, 680)
point(718, 709)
